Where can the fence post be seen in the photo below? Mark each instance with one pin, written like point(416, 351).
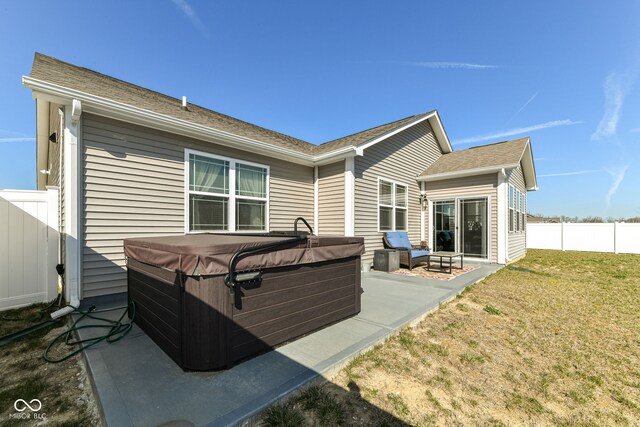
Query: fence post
point(615, 237)
point(562, 236)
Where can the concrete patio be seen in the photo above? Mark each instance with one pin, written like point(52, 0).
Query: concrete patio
point(139, 385)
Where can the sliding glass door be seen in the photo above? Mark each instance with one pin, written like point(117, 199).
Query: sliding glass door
point(444, 226)
point(461, 225)
point(473, 227)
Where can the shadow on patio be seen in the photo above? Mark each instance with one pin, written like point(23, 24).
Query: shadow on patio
point(137, 384)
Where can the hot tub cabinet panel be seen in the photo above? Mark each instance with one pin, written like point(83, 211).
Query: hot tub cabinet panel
point(293, 301)
point(203, 325)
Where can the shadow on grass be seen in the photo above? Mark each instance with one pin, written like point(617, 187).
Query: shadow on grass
point(329, 405)
point(526, 270)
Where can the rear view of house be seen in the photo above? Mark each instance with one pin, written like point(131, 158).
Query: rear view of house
point(131, 162)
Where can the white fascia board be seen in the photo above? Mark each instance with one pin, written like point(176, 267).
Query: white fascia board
point(529, 168)
point(120, 111)
point(441, 134)
point(127, 113)
point(463, 173)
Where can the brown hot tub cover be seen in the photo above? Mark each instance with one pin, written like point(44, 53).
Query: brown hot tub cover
point(209, 254)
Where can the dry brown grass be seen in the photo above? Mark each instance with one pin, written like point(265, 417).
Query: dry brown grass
point(63, 389)
point(553, 339)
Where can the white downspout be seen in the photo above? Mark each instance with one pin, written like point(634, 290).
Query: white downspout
point(72, 205)
point(349, 196)
point(316, 214)
point(422, 213)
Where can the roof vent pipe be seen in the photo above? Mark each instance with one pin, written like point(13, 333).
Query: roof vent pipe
point(184, 103)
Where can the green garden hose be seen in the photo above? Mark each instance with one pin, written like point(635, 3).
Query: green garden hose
point(117, 329)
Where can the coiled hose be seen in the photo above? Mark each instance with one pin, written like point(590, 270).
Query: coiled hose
point(117, 329)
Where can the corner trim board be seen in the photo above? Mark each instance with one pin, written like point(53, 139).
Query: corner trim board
point(316, 190)
point(349, 196)
point(502, 208)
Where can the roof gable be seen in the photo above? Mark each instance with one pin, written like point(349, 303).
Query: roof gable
point(371, 136)
point(485, 159)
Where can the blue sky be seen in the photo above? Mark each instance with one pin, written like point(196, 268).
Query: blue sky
point(565, 73)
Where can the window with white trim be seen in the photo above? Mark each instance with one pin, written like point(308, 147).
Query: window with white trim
point(226, 194)
point(518, 210)
point(392, 206)
point(523, 211)
point(512, 206)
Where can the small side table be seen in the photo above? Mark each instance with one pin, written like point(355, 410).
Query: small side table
point(386, 260)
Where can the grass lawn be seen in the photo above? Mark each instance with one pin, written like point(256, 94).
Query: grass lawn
point(63, 388)
point(553, 339)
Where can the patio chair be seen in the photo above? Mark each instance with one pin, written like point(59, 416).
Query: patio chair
point(409, 255)
point(445, 238)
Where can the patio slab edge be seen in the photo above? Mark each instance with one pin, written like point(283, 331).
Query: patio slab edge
point(250, 417)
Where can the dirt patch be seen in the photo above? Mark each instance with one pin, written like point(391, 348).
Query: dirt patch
point(63, 389)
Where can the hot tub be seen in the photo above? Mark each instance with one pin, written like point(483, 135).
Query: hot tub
point(210, 300)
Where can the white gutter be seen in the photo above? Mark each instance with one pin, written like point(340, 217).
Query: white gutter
point(128, 113)
point(467, 172)
point(124, 112)
point(335, 155)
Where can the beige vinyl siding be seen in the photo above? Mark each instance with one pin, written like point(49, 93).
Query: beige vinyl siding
point(471, 187)
point(133, 185)
point(54, 148)
point(400, 158)
point(331, 199)
point(517, 243)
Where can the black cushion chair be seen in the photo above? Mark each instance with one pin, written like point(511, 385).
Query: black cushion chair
point(445, 239)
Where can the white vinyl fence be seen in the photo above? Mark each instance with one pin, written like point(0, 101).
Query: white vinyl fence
point(28, 247)
point(617, 237)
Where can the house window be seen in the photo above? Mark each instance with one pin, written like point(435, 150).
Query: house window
point(512, 206)
point(523, 212)
point(392, 206)
point(225, 194)
point(517, 210)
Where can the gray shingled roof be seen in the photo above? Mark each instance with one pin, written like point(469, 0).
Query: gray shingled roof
point(70, 76)
point(81, 79)
point(484, 156)
point(366, 135)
